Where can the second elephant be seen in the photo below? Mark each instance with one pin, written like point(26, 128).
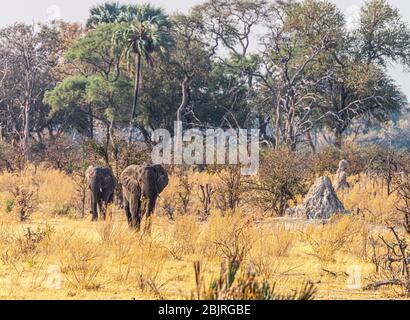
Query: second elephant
point(141, 187)
point(101, 183)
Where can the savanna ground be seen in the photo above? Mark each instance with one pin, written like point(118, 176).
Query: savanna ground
point(40, 233)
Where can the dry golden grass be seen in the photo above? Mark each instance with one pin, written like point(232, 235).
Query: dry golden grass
point(55, 255)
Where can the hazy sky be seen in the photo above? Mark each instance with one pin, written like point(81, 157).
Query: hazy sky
point(77, 10)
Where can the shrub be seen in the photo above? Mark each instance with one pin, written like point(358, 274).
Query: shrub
point(81, 263)
point(25, 246)
point(184, 237)
point(228, 238)
point(229, 188)
point(233, 284)
point(282, 177)
point(327, 240)
point(24, 203)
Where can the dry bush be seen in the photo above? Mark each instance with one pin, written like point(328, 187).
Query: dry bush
point(327, 240)
point(80, 199)
point(269, 246)
point(21, 193)
point(24, 202)
point(168, 202)
point(121, 244)
point(189, 192)
point(184, 237)
point(360, 158)
point(37, 189)
point(391, 258)
point(149, 265)
point(11, 158)
point(368, 198)
point(61, 153)
point(282, 177)
point(106, 230)
point(236, 283)
point(23, 247)
point(227, 237)
point(391, 255)
point(229, 188)
point(56, 191)
point(81, 263)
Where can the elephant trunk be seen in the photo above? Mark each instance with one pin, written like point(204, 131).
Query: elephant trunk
point(94, 204)
point(95, 187)
point(151, 205)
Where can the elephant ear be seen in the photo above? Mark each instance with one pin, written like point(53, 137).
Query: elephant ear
point(90, 173)
point(163, 179)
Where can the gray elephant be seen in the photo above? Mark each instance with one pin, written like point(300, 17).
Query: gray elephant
point(101, 183)
point(141, 187)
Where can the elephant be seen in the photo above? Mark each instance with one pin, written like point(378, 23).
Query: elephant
point(141, 187)
point(101, 183)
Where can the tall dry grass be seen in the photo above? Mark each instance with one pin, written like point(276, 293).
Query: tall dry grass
point(107, 259)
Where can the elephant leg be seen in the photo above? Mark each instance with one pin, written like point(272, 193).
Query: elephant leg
point(127, 211)
point(94, 204)
point(135, 207)
point(104, 210)
point(101, 208)
point(150, 207)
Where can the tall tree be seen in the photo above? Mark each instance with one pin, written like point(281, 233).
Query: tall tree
point(358, 84)
point(109, 12)
point(299, 36)
point(147, 32)
point(28, 52)
point(230, 31)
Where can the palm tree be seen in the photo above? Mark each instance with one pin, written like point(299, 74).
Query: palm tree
point(146, 30)
point(109, 12)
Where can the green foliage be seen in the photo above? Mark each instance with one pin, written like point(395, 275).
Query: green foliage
point(282, 176)
point(98, 53)
point(9, 205)
point(382, 35)
point(69, 94)
point(313, 74)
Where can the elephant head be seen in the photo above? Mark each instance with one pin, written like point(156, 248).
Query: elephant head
point(142, 184)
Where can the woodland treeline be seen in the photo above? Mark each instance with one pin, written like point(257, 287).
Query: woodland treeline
point(295, 70)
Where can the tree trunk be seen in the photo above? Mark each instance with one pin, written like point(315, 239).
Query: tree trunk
point(277, 127)
point(338, 138)
point(179, 128)
point(90, 113)
point(136, 94)
point(107, 145)
point(185, 94)
point(311, 142)
point(26, 135)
